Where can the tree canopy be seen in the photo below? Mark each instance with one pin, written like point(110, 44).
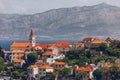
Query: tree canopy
point(32, 58)
point(65, 72)
point(1, 64)
point(97, 74)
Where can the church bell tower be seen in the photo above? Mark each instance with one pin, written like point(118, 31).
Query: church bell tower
point(32, 40)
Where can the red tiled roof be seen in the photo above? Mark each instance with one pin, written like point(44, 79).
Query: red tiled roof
point(86, 69)
point(62, 43)
point(88, 39)
point(44, 46)
point(81, 69)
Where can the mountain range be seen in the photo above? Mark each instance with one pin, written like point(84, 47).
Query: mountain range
point(100, 20)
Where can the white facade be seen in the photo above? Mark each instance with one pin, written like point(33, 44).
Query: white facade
point(49, 70)
point(32, 40)
point(33, 72)
point(61, 56)
point(43, 70)
point(37, 71)
point(13, 57)
point(50, 61)
point(19, 64)
point(55, 51)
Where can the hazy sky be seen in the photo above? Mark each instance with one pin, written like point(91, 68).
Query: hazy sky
point(37, 6)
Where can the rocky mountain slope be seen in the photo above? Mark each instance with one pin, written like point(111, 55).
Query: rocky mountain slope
point(100, 20)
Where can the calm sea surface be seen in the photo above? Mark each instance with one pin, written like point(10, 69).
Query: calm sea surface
point(5, 44)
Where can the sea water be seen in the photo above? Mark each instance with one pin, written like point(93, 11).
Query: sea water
point(5, 44)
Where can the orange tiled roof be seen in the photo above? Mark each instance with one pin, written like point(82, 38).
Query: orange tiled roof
point(17, 51)
point(62, 43)
point(41, 61)
point(20, 44)
point(48, 53)
point(80, 43)
point(81, 69)
point(98, 41)
point(59, 63)
point(21, 55)
point(46, 67)
point(18, 60)
point(34, 66)
point(87, 69)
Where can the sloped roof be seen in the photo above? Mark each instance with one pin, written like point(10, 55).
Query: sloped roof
point(59, 63)
point(20, 44)
point(86, 69)
point(44, 46)
point(18, 60)
point(88, 39)
point(98, 41)
point(21, 55)
point(17, 51)
point(46, 67)
point(48, 53)
point(66, 44)
point(34, 66)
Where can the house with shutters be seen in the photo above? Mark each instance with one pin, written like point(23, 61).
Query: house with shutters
point(60, 65)
point(35, 71)
point(88, 69)
point(18, 63)
point(94, 42)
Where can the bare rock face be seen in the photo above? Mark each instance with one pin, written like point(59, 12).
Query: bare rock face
point(100, 20)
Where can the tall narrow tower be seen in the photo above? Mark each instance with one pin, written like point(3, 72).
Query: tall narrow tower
point(32, 40)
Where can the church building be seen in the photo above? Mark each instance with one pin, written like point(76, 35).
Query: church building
point(26, 45)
